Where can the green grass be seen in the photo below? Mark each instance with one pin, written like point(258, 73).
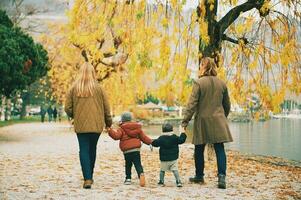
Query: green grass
point(16, 120)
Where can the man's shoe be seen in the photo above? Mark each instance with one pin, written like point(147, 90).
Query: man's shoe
point(161, 183)
point(127, 181)
point(142, 180)
point(221, 182)
point(87, 184)
point(196, 179)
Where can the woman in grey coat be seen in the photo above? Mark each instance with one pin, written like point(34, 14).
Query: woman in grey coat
point(210, 104)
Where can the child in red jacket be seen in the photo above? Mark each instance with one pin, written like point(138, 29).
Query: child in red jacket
point(130, 135)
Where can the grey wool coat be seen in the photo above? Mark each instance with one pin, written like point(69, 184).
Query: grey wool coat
point(90, 114)
point(210, 104)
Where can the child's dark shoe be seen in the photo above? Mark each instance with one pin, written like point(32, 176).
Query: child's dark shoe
point(142, 180)
point(161, 183)
point(179, 184)
point(127, 182)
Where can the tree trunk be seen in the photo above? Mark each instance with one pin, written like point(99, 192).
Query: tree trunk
point(212, 50)
point(25, 102)
point(8, 109)
point(214, 47)
point(2, 108)
point(217, 29)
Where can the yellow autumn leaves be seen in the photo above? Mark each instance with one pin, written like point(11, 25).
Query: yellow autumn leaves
point(162, 47)
point(155, 66)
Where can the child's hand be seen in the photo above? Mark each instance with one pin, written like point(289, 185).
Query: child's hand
point(182, 129)
point(151, 147)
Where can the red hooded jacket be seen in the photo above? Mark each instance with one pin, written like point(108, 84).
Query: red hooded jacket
point(130, 135)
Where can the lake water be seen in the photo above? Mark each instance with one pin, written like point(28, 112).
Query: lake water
point(277, 137)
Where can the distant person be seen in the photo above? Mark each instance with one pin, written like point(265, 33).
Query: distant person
point(54, 114)
point(60, 113)
point(50, 113)
point(130, 135)
point(42, 113)
point(169, 152)
point(210, 104)
point(87, 104)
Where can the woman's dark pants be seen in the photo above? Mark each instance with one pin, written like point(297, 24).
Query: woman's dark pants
point(87, 153)
point(220, 157)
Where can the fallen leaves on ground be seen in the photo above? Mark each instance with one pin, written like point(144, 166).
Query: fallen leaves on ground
point(44, 169)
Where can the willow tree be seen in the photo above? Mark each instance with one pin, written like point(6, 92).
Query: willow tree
point(256, 44)
point(129, 45)
point(139, 47)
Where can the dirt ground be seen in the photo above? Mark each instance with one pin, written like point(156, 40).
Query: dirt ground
point(40, 161)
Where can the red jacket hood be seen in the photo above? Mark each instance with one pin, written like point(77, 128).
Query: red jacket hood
point(132, 129)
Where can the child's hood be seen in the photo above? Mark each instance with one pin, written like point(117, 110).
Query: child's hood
point(168, 133)
point(132, 129)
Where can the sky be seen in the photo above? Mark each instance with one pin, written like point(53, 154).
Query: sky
point(193, 4)
point(189, 3)
point(60, 5)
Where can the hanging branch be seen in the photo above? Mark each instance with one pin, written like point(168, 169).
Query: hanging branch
point(107, 75)
point(235, 41)
point(234, 13)
point(101, 42)
point(83, 51)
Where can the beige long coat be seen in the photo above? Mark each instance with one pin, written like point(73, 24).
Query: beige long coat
point(210, 103)
point(90, 114)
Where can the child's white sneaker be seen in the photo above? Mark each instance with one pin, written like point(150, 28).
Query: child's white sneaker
point(127, 182)
point(161, 183)
point(179, 184)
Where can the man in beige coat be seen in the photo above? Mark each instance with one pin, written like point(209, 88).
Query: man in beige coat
point(210, 104)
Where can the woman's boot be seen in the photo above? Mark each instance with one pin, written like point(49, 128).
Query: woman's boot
point(222, 181)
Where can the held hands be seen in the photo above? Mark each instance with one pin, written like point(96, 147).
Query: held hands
point(151, 147)
point(108, 129)
point(182, 129)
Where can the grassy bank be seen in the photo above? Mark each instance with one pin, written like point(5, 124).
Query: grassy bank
point(16, 120)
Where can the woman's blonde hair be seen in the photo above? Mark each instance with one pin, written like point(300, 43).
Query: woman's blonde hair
point(207, 67)
point(86, 81)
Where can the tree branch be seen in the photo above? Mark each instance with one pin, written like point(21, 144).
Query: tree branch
point(84, 54)
point(111, 59)
point(114, 60)
point(83, 51)
point(116, 39)
point(107, 75)
point(101, 42)
point(234, 13)
point(235, 41)
point(229, 39)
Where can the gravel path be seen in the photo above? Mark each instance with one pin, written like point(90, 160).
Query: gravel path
point(40, 161)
